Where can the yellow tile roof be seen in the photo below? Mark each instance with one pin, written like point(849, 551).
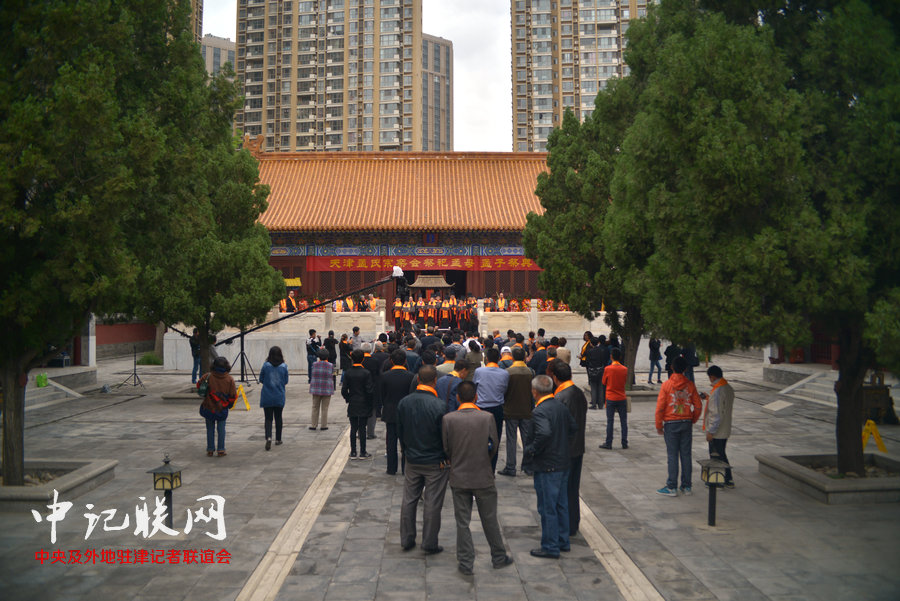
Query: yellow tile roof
point(400, 191)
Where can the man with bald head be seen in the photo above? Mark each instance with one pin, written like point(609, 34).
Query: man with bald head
point(419, 419)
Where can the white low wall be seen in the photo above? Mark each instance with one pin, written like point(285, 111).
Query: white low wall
point(290, 334)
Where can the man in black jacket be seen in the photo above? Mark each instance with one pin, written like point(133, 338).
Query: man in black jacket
point(419, 418)
point(394, 385)
point(552, 427)
point(597, 358)
point(429, 340)
point(359, 391)
point(573, 398)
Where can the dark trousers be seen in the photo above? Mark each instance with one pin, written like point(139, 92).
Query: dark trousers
point(270, 413)
point(552, 504)
point(678, 436)
point(598, 393)
point(358, 428)
point(512, 426)
point(391, 438)
point(486, 499)
point(573, 490)
point(612, 408)
point(717, 451)
point(428, 482)
point(497, 412)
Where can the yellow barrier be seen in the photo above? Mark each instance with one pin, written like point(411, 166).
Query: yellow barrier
point(243, 395)
point(871, 430)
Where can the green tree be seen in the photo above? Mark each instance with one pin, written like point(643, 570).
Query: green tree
point(217, 274)
point(765, 167)
point(567, 239)
point(586, 252)
point(110, 159)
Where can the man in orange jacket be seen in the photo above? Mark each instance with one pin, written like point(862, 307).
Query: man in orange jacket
point(678, 408)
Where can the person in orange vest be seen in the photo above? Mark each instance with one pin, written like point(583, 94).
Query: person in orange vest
point(408, 311)
point(288, 304)
point(488, 304)
point(338, 306)
point(432, 311)
point(351, 306)
point(420, 311)
point(501, 303)
point(445, 314)
point(454, 311)
point(398, 314)
point(372, 302)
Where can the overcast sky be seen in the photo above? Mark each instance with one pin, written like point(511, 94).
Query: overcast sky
point(479, 30)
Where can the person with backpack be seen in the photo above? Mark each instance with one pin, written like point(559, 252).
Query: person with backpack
point(313, 344)
point(219, 398)
point(273, 376)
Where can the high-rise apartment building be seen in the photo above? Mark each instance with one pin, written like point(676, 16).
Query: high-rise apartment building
point(563, 53)
point(336, 75)
point(437, 93)
point(197, 18)
point(216, 52)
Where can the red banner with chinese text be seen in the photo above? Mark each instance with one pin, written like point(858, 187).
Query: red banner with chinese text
point(498, 263)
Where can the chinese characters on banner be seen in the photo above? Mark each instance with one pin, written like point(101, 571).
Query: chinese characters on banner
point(144, 526)
point(132, 556)
point(494, 263)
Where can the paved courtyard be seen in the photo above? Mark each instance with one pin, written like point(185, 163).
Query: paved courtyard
point(304, 523)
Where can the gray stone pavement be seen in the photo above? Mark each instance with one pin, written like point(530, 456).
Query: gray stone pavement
point(770, 542)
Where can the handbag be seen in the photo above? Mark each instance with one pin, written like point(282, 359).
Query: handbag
point(595, 372)
point(203, 387)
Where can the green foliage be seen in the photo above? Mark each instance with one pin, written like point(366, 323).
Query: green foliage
point(150, 358)
point(711, 167)
point(120, 185)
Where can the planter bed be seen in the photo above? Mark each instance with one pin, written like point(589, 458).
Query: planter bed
point(796, 472)
point(81, 475)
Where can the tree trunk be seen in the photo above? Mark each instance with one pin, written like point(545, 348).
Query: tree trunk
point(852, 371)
point(204, 348)
point(14, 378)
point(158, 345)
point(632, 331)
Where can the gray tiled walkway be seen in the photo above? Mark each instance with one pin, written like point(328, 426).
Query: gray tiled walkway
point(770, 542)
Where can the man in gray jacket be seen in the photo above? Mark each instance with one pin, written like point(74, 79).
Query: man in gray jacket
point(470, 440)
point(717, 417)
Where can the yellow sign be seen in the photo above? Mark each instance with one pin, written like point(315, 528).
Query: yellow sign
point(240, 391)
point(871, 429)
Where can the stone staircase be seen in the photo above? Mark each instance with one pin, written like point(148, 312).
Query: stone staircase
point(38, 397)
point(819, 388)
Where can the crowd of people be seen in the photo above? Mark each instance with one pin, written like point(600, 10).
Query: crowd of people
point(446, 398)
point(420, 310)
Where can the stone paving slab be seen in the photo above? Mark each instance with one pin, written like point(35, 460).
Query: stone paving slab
point(770, 542)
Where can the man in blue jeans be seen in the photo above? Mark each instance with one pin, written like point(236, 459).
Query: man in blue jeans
point(678, 408)
point(551, 428)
